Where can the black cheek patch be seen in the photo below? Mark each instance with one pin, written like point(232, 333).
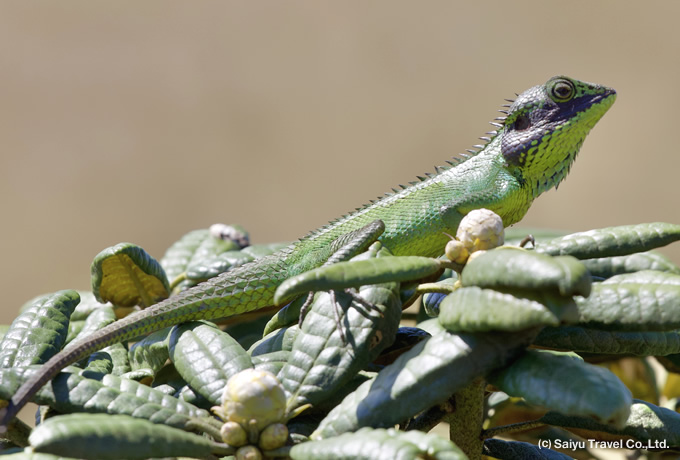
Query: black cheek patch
point(515, 145)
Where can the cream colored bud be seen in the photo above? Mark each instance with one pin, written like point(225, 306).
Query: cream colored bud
point(254, 395)
point(234, 434)
point(456, 252)
point(248, 453)
point(274, 436)
point(481, 229)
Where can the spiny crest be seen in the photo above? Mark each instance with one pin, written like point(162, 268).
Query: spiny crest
point(453, 162)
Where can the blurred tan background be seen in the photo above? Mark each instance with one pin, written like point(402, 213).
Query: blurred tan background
point(139, 121)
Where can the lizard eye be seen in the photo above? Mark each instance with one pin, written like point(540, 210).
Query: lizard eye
point(562, 91)
point(522, 122)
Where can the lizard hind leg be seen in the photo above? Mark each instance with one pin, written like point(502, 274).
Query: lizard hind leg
point(344, 248)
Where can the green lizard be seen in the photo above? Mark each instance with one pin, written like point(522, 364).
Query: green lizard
point(531, 151)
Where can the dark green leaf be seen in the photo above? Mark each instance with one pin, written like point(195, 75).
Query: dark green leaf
point(108, 394)
point(98, 436)
point(281, 339)
point(151, 352)
point(587, 340)
point(126, 275)
point(426, 375)
point(613, 241)
point(647, 423)
point(271, 362)
point(606, 267)
point(206, 358)
point(472, 309)
point(321, 359)
point(641, 301)
point(511, 268)
point(378, 444)
point(40, 331)
point(556, 381)
point(497, 448)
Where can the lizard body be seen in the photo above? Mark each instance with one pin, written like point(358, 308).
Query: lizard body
point(530, 152)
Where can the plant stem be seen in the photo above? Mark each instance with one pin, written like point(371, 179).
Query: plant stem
point(465, 423)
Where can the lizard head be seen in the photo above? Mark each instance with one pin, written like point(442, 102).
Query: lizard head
point(546, 125)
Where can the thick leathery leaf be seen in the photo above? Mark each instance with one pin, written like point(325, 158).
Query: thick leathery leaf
point(436, 292)
point(378, 444)
point(271, 362)
point(612, 241)
point(355, 273)
point(88, 305)
point(641, 301)
point(281, 339)
point(212, 265)
point(606, 267)
point(206, 358)
point(431, 326)
point(40, 331)
point(497, 448)
point(587, 340)
point(647, 423)
point(96, 320)
point(262, 250)
point(126, 275)
point(322, 360)
point(447, 362)
point(192, 247)
point(101, 437)
point(286, 316)
point(511, 268)
point(151, 352)
point(556, 381)
point(108, 394)
point(472, 309)
point(3, 330)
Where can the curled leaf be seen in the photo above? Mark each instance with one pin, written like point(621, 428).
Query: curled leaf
point(126, 275)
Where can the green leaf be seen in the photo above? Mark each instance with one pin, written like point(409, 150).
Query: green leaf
point(647, 423)
point(287, 316)
point(641, 301)
point(472, 309)
point(69, 392)
point(110, 360)
point(606, 267)
point(98, 436)
point(613, 241)
point(96, 320)
point(588, 340)
point(322, 360)
point(191, 248)
point(280, 339)
point(379, 444)
point(271, 362)
point(29, 455)
point(151, 352)
point(126, 275)
point(206, 358)
point(355, 273)
point(556, 381)
point(40, 331)
point(497, 448)
point(88, 305)
point(426, 375)
point(511, 268)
